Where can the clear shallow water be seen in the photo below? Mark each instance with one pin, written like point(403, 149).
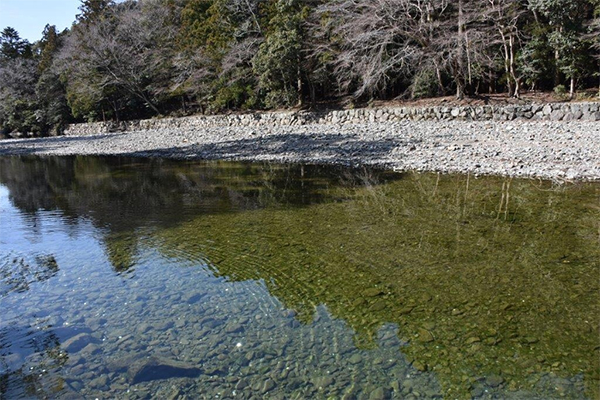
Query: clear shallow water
point(126, 278)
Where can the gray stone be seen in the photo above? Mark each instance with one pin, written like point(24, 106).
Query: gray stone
point(91, 349)
point(379, 394)
point(100, 381)
point(154, 368)
point(78, 342)
point(267, 386)
point(592, 116)
point(355, 359)
point(323, 382)
point(234, 328)
point(494, 380)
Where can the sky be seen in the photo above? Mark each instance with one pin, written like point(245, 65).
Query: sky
point(29, 17)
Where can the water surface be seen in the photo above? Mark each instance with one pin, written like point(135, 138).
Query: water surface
point(129, 278)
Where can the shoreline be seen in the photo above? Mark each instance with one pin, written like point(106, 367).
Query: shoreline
point(554, 150)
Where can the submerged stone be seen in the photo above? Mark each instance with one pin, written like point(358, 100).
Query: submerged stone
point(494, 380)
point(154, 368)
point(78, 342)
point(372, 292)
point(355, 359)
point(379, 394)
point(425, 336)
point(267, 386)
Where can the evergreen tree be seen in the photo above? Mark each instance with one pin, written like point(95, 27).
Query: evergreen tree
point(12, 46)
point(278, 61)
point(567, 39)
point(92, 10)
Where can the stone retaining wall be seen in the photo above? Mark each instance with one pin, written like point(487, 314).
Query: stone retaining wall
point(533, 112)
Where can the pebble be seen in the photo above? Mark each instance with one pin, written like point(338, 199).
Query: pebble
point(267, 386)
point(494, 380)
point(379, 394)
point(77, 342)
point(355, 359)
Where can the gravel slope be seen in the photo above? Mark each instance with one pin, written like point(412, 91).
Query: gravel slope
point(550, 150)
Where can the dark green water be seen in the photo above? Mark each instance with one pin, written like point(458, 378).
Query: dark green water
point(124, 278)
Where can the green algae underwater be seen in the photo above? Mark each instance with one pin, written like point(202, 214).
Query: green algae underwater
point(490, 280)
point(484, 277)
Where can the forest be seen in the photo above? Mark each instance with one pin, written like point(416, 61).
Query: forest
point(144, 58)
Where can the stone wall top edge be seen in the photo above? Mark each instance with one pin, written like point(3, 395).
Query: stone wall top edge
point(286, 116)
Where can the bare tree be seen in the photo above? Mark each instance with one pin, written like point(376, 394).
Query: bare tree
point(504, 17)
point(129, 49)
point(17, 94)
point(377, 43)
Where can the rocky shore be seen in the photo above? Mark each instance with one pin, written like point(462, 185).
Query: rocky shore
point(565, 150)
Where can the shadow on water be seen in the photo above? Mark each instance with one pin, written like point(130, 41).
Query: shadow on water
point(491, 282)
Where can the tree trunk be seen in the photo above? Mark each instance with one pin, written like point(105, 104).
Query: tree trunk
point(572, 88)
point(439, 79)
point(460, 91)
point(299, 83)
point(507, 65)
point(149, 102)
point(513, 73)
point(556, 63)
point(469, 72)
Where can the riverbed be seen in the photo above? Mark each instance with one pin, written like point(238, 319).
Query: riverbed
point(141, 278)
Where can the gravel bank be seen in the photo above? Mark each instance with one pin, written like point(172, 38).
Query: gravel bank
point(550, 150)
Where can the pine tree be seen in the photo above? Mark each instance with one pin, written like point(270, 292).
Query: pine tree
point(12, 46)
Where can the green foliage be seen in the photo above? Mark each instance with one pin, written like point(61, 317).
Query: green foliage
point(424, 85)
point(48, 47)
point(17, 96)
point(205, 24)
point(558, 12)
point(92, 10)
point(233, 96)
point(276, 66)
point(572, 49)
point(560, 90)
point(536, 58)
point(12, 46)
point(277, 63)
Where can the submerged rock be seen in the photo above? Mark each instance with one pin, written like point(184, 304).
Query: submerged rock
point(78, 342)
point(154, 368)
point(372, 292)
point(379, 394)
point(494, 380)
point(267, 386)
